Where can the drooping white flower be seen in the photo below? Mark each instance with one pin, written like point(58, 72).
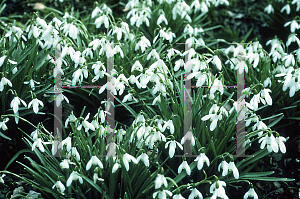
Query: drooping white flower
point(251, 193)
point(195, 193)
point(128, 158)
point(93, 161)
point(144, 157)
point(217, 189)
point(16, 102)
point(116, 167)
point(201, 159)
point(35, 104)
point(269, 9)
point(4, 82)
point(233, 168)
point(64, 164)
point(184, 165)
point(74, 176)
point(162, 194)
point(293, 25)
point(38, 142)
point(216, 60)
point(224, 165)
point(2, 123)
point(169, 125)
point(75, 153)
point(188, 136)
point(1, 178)
point(178, 196)
point(286, 8)
point(160, 180)
point(271, 143)
point(59, 186)
point(280, 141)
point(173, 147)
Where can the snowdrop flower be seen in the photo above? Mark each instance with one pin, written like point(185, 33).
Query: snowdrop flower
point(68, 143)
point(294, 25)
point(74, 152)
point(35, 104)
point(60, 98)
point(178, 196)
point(216, 60)
point(162, 18)
point(1, 178)
point(224, 165)
point(144, 157)
point(93, 161)
point(162, 194)
point(64, 164)
point(233, 168)
point(38, 142)
point(137, 66)
point(293, 38)
point(78, 75)
point(271, 142)
point(15, 106)
point(128, 158)
point(213, 115)
point(259, 125)
point(184, 165)
point(72, 30)
point(100, 20)
point(287, 8)
point(265, 94)
point(160, 180)
point(31, 83)
point(217, 85)
point(2, 123)
point(96, 11)
point(116, 167)
point(268, 82)
point(153, 53)
point(269, 9)
point(74, 176)
point(217, 190)
point(195, 193)
point(4, 82)
point(59, 186)
point(251, 193)
point(169, 125)
point(289, 59)
point(280, 141)
point(143, 43)
point(86, 124)
point(201, 159)
point(173, 146)
point(188, 136)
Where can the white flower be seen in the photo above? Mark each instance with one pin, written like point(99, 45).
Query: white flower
point(74, 176)
point(178, 196)
point(94, 160)
point(250, 193)
point(96, 11)
point(35, 104)
point(64, 164)
point(86, 124)
point(116, 167)
point(188, 136)
point(4, 82)
point(95, 178)
point(162, 194)
point(74, 152)
point(271, 142)
point(100, 20)
point(294, 25)
point(217, 62)
point(128, 158)
point(184, 165)
point(269, 9)
point(2, 123)
point(60, 98)
point(233, 168)
point(201, 159)
point(214, 117)
point(268, 82)
point(153, 53)
point(162, 18)
point(195, 193)
point(293, 38)
point(287, 8)
point(265, 94)
point(137, 66)
point(39, 143)
point(1, 178)
point(78, 74)
point(217, 85)
point(224, 165)
point(172, 147)
point(31, 82)
point(145, 159)
point(280, 141)
point(16, 102)
point(68, 142)
point(143, 43)
point(217, 190)
point(169, 125)
point(59, 186)
point(160, 180)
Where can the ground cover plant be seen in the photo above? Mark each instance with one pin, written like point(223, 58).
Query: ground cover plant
point(157, 47)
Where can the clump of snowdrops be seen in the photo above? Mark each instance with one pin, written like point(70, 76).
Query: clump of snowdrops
point(147, 159)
